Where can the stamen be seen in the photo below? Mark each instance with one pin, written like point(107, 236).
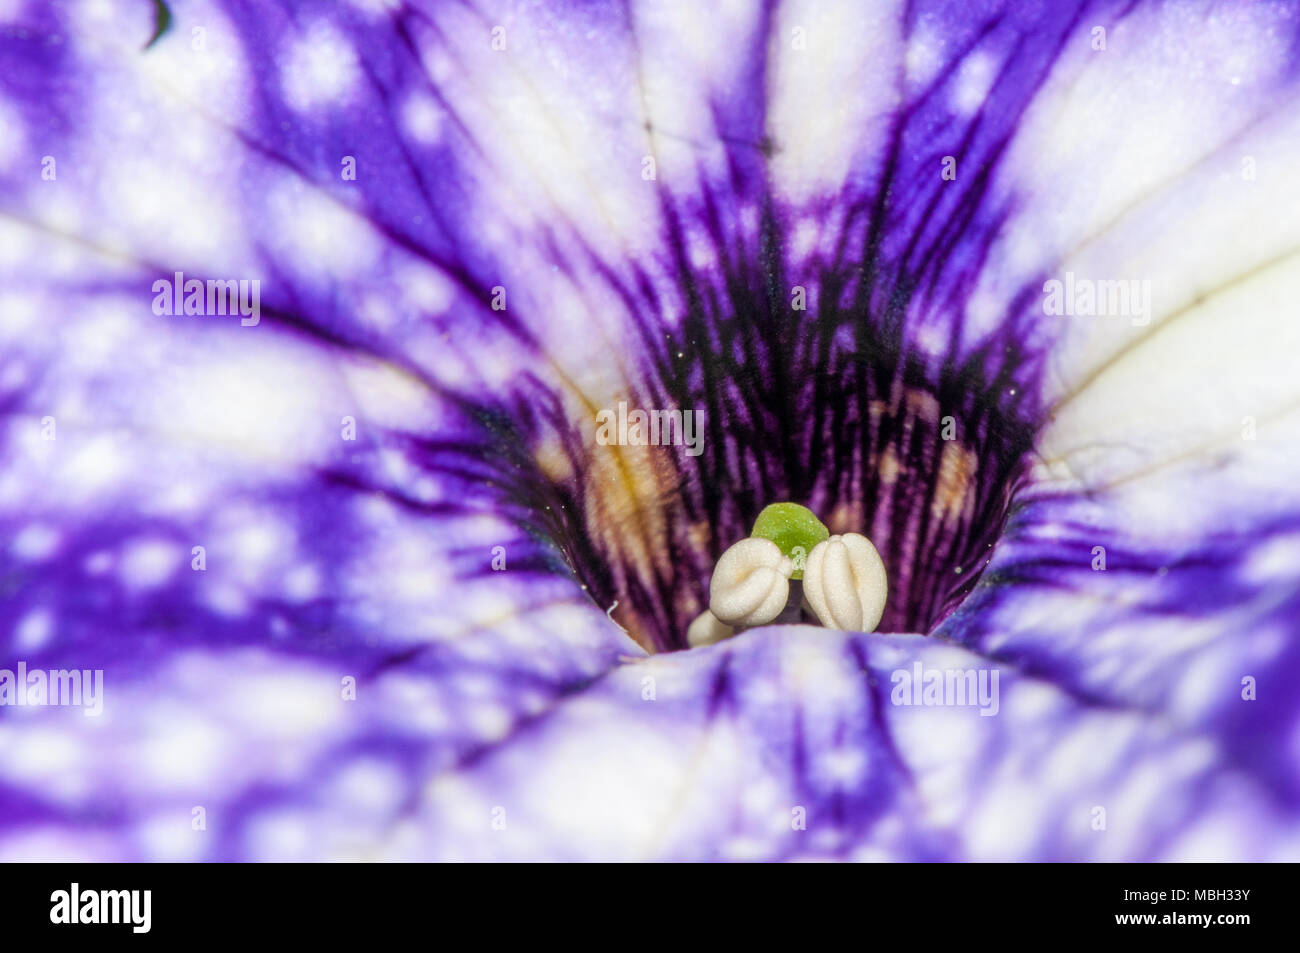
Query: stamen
point(707, 629)
point(844, 583)
point(751, 583)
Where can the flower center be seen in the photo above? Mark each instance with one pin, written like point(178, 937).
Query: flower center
point(922, 455)
point(855, 388)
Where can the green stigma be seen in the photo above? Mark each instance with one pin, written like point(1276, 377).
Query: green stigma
point(795, 529)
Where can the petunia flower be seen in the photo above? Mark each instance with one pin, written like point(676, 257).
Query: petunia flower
point(1008, 288)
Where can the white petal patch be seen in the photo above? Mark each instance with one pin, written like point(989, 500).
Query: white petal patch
point(841, 53)
point(319, 69)
point(1177, 277)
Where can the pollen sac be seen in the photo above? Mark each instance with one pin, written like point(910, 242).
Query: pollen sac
point(844, 583)
point(751, 583)
point(707, 629)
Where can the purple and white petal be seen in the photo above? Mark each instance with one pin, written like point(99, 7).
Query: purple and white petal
point(363, 580)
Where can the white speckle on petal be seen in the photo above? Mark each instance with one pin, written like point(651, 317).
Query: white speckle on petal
point(422, 119)
point(319, 69)
point(974, 80)
point(34, 630)
point(150, 563)
point(34, 542)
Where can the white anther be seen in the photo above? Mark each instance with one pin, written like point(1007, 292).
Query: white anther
point(844, 583)
point(707, 629)
point(751, 583)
